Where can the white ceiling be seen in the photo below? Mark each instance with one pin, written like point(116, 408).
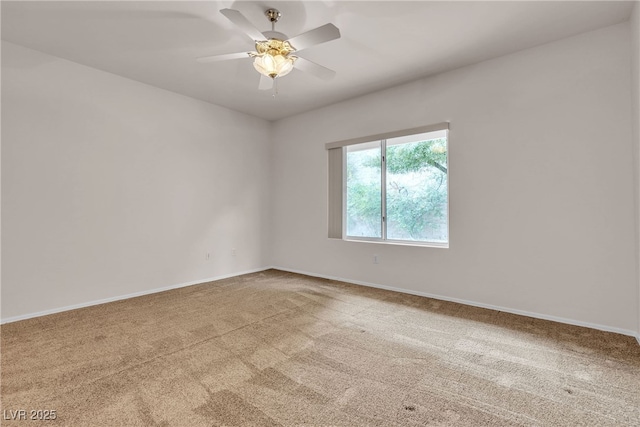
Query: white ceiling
point(383, 43)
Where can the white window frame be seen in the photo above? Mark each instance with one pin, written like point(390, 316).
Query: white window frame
point(383, 147)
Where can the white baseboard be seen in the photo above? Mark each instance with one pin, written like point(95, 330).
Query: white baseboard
point(341, 279)
point(121, 297)
point(473, 303)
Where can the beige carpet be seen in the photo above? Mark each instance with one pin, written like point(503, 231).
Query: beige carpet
point(275, 348)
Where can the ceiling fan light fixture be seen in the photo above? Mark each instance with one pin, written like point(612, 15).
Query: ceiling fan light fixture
point(272, 57)
point(274, 65)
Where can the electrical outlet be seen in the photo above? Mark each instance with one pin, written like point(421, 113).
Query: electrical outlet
point(207, 256)
point(376, 259)
point(233, 252)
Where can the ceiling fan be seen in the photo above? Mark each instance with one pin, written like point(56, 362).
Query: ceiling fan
point(274, 55)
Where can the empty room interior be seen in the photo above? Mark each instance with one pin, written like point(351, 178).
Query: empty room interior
point(320, 213)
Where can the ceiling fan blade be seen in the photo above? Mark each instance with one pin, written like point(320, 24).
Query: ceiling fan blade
point(312, 68)
point(243, 23)
point(316, 36)
point(266, 83)
point(224, 57)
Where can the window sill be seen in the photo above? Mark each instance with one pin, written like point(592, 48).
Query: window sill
point(398, 243)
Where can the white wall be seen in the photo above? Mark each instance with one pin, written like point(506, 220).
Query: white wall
point(112, 187)
point(541, 185)
point(635, 93)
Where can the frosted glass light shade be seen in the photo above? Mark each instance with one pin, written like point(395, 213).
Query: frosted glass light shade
point(273, 66)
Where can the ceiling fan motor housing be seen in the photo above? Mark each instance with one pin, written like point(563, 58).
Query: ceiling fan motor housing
point(275, 35)
point(274, 47)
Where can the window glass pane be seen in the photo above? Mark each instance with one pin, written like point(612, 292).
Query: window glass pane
point(363, 198)
point(416, 188)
